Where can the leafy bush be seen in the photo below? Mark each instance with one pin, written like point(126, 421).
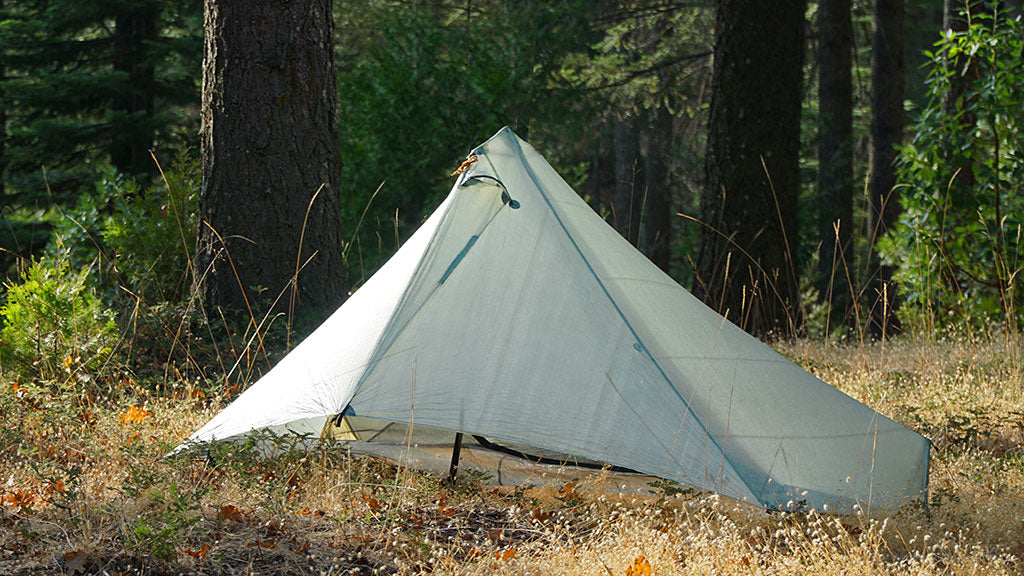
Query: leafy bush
point(133, 245)
point(77, 237)
point(151, 233)
point(958, 244)
point(55, 325)
point(132, 236)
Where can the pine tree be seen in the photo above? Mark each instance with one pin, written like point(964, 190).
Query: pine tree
point(269, 204)
point(745, 263)
point(82, 85)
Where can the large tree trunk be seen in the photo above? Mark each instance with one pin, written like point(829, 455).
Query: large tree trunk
point(835, 159)
point(886, 133)
point(658, 189)
point(745, 266)
point(136, 27)
point(625, 202)
point(269, 143)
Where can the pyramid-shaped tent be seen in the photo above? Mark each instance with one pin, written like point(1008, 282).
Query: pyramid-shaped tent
point(515, 312)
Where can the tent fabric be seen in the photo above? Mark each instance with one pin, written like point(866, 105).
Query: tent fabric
point(517, 313)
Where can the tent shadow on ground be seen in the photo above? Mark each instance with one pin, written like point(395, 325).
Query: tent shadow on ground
point(430, 450)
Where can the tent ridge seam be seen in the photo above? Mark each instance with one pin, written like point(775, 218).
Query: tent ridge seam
point(533, 177)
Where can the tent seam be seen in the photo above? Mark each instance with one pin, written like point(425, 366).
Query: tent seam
point(533, 177)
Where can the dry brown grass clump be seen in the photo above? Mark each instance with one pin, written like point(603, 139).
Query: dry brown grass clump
point(85, 489)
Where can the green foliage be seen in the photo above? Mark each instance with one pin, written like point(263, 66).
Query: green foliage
point(133, 237)
point(647, 57)
point(419, 83)
point(83, 79)
point(151, 233)
point(56, 328)
point(160, 531)
point(958, 244)
point(78, 232)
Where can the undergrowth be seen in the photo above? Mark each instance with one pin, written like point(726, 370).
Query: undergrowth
point(87, 487)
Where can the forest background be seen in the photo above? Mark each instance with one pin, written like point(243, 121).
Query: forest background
point(841, 171)
point(857, 174)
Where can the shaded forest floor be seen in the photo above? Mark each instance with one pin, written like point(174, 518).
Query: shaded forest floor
point(85, 490)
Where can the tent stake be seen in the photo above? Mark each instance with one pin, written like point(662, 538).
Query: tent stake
point(453, 471)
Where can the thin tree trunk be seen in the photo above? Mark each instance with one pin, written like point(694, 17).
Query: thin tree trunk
point(835, 159)
point(886, 133)
point(135, 28)
point(626, 202)
point(657, 206)
point(269, 144)
point(3, 128)
point(745, 260)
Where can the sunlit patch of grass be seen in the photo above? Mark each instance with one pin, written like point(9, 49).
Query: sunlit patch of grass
point(86, 488)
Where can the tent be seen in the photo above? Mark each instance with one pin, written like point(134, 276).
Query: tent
point(516, 313)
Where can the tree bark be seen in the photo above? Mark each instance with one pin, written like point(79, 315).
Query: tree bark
point(3, 128)
point(625, 203)
point(657, 207)
point(835, 159)
point(886, 133)
point(747, 243)
point(269, 143)
point(136, 28)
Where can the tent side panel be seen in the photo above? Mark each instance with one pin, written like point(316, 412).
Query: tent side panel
point(318, 378)
point(785, 431)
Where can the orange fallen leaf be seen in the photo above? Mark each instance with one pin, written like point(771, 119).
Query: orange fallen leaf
point(640, 567)
point(232, 513)
point(202, 552)
point(21, 499)
point(505, 555)
point(372, 503)
point(55, 488)
point(539, 515)
point(134, 415)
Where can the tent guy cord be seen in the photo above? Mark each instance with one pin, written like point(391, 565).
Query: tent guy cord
point(545, 460)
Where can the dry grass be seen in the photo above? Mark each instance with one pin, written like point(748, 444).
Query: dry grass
point(85, 490)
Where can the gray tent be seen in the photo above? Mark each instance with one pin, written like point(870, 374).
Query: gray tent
point(515, 312)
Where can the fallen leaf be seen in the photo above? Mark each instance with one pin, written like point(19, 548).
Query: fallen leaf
point(229, 512)
point(372, 503)
point(75, 560)
point(505, 555)
point(539, 515)
point(202, 552)
point(134, 415)
point(640, 567)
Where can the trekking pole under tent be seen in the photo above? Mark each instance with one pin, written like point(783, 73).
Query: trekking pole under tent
point(453, 471)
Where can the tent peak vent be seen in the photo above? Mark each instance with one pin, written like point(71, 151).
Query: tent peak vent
point(506, 198)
